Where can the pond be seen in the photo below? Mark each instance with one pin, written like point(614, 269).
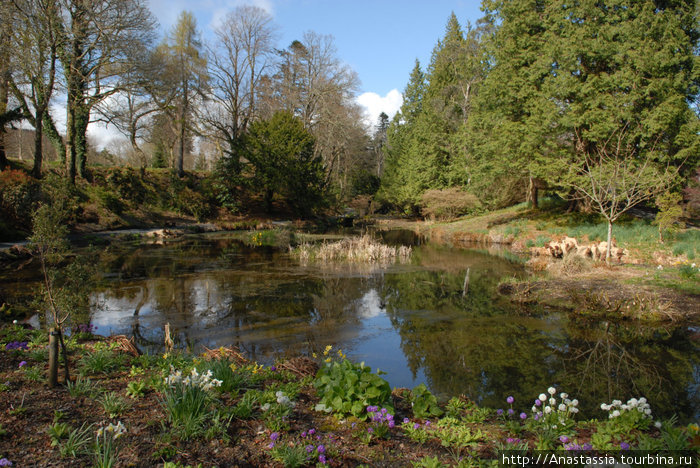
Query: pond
point(414, 321)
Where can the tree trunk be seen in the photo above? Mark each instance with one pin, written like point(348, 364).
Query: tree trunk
point(38, 150)
point(533, 193)
point(70, 140)
point(55, 138)
point(64, 352)
point(53, 358)
point(82, 118)
point(4, 99)
point(607, 253)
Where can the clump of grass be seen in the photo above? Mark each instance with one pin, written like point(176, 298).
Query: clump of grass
point(570, 265)
point(353, 250)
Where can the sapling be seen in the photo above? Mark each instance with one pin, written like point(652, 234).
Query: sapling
point(64, 284)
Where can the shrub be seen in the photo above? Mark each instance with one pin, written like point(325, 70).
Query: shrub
point(19, 195)
point(448, 203)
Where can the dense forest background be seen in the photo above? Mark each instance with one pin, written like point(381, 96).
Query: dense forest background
point(595, 103)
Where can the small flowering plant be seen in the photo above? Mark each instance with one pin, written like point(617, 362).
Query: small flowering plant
point(187, 398)
point(635, 414)
point(381, 421)
point(553, 413)
point(106, 448)
point(277, 414)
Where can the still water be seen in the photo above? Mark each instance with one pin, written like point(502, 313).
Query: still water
point(413, 321)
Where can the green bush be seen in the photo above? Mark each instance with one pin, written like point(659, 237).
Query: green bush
point(19, 195)
point(349, 388)
point(445, 204)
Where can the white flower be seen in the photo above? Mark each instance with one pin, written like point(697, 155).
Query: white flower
point(562, 407)
point(14, 322)
point(692, 265)
point(659, 267)
point(647, 412)
point(574, 402)
point(265, 407)
point(543, 397)
point(547, 409)
point(615, 413)
point(633, 402)
point(534, 409)
point(574, 410)
point(552, 401)
point(551, 391)
point(605, 407)
point(642, 400)
point(625, 407)
point(616, 403)
point(658, 424)
point(564, 396)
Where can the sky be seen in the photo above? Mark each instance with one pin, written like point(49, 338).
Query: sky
point(379, 39)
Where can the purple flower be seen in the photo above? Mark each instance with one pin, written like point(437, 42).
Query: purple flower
point(274, 436)
point(523, 416)
point(312, 431)
point(510, 400)
point(563, 439)
point(587, 446)
point(624, 446)
point(537, 417)
point(511, 411)
point(322, 459)
point(309, 448)
point(22, 364)
point(5, 462)
point(370, 430)
point(391, 424)
point(416, 425)
point(271, 445)
point(427, 423)
point(321, 449)
point(511, 440)
point(273, 368)
point(406, 420)
point(499, 412)
point(303, 434)
point(538, 402)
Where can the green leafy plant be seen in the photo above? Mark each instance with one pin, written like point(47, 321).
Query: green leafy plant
point(83, 387)
point(423, 403)
point(348, 388)
point(101, 361)
point(57, 431)
point(77, 442)
point(113, 404)
point(136, 389)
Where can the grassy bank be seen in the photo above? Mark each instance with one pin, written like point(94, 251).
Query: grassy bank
point(219, 409)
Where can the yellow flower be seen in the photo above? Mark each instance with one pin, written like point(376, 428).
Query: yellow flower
point(694, 427)
point(233, 366)
point(328, 359)
point(314, 355)
point(165, 356)
point(327, 350)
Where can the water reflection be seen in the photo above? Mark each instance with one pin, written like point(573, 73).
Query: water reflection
point(413, 321)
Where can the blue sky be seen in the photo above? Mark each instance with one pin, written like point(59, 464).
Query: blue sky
point(379, 39)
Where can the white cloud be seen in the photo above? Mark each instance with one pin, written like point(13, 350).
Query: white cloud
point(374, 104)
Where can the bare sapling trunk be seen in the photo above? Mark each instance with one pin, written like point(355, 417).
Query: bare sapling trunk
point(53, 358)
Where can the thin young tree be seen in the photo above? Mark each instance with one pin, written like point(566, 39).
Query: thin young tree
point(65, 282)
point(619, 175)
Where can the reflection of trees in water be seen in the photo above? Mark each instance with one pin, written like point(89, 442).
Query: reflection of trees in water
point(618, 361)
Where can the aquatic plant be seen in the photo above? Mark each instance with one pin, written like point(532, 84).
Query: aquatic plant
point(362, 249)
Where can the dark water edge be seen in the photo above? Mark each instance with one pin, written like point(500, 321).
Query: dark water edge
point(413, 321)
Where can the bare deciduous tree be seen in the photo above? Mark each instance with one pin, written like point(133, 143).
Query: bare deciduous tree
point(238, 60)
point(617, 176)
